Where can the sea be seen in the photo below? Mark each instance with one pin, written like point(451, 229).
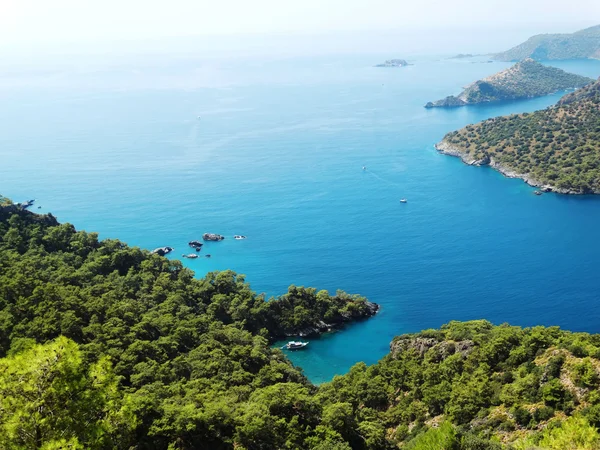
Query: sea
point(157, 152)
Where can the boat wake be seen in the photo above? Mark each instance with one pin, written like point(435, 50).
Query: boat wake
point(388, 182)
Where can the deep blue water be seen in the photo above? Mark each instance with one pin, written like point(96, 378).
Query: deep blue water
point(277, 156)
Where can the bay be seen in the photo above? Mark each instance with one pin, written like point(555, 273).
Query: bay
point(158, 152)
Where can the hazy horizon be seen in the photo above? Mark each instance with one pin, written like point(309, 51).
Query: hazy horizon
point(268, 26)
point(387, 43)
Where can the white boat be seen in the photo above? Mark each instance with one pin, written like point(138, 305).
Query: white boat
point(190, 256)
point(239, 237)
point(364, 167)
point(295, 345)
point(403, 200)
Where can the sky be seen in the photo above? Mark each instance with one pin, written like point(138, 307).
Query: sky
point(48, 31)
point(26, 22)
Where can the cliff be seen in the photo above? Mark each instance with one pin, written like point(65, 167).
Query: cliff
point(525, 79)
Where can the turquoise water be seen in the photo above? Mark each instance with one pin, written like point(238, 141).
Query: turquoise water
point(277, 156)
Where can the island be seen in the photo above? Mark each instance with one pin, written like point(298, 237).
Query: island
point(580, 45)
point(525, 79)
point(556, 149)
point(394, 63)
point(210, 237)
point(462, 56)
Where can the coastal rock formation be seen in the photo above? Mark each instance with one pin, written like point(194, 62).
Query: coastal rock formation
point(486, 160)
point(307, 311)
point(7, 209)
point(449, 102)
point(162, 251)
point(212, 237)
point(197, 245)
point(556, 149)
point(525, 79)
point(343, 318)
point(422, 345)
point(394, 63)
point(543, 47)
point(26, 204)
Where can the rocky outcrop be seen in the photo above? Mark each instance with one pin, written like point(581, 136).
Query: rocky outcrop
point(340, 321)
point(196, 245)
point(451, 150)
point(449, 102)
point(212, 237)
point(162, 251)
point(12, 209)
point(314, 330)
point(26, 204)
point(442, 349)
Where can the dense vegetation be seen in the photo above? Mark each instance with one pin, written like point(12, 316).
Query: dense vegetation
point(189, 354)
point(558, 146)
point(105, 346)
point(525, 79)
point(582, 44)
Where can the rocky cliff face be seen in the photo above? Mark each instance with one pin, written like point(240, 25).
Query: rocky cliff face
point(344, 318)
point(486, 160)
point(420, 345)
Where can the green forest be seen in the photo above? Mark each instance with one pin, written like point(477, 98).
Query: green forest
point(106, 346)
point(558, 146)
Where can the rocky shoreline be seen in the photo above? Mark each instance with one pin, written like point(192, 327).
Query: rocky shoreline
point(448, 149)
point(323, 327)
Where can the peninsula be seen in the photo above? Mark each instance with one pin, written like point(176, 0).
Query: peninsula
point(525, 79)
point(580, 45)
point(557, 149)
point(394, 63)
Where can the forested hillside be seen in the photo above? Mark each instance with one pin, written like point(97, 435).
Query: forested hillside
point(581, 44)
point(525, 79)
point(104, 346)
point(190, 356)
point(558, 147)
